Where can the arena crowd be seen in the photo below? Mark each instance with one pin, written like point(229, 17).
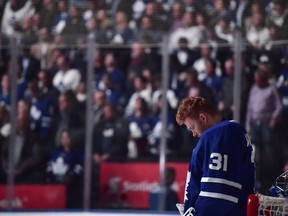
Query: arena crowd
point(127, 99)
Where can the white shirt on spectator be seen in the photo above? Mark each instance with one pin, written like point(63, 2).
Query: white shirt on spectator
point(199, 66)
point(67, 80)
point(10, 17)
point(145, 93)
point(171, 98)
point(193, 34)
point(258, 37)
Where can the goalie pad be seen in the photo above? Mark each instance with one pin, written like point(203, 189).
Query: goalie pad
point(189, 212)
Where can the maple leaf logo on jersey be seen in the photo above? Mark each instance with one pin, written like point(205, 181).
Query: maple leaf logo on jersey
point(187, 183)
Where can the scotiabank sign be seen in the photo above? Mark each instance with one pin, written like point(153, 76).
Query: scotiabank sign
point(128, 185)
point(35, 197)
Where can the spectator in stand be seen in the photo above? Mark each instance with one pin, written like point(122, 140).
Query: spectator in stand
point(265, 65)
point(194, 87)
point(113, 7)
point(212, 80)
point(224, 30)
point(121, 32)
point(154, 138)
point(99, 101)
point(65, 166)
point(81, 4)
point(113, 93)
point(81, 95)
point(138, 8)
point(43, 49)
point(41, 113)
point(48, 13)
point(139, 60)
point(202, 21)
point(224, 35)
point(74, 26)
point(79, 58)
point(154, 10)
point(27, 35)
point(105, 23)
point(192, 6)
point(98, 62)
point(69, 115)
point(5, 130)
point(187, 30)
point(147, 33)
point(29, 156)
point(263, 111)
point(67, 78)
point(53, 68)
point(158, 91)
point(94, 30)
point(149, 75)
point(61, 17)
point(278, 16)
point(91, 10)
point(258, 34)
point(30, 66)
point(22, 83)
point(13, 15)
point(4, 55)
point(110, 68)
point(226, 101)
point(5, 88)
point(177, 11)
point(60, 43)
point(110, 136)
point(219, 9)
point(140, 90)
point(181, 59)
point(36, 23)
point(140, 126)
point(255, 7)
point(274, 49)
point(206, 51)
point(282, 84)
point(46, 86)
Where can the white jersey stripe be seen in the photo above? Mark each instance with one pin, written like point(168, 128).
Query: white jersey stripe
point(221, 181)
point(219, 196)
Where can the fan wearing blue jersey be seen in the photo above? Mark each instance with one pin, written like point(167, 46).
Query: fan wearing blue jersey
point(221, 172)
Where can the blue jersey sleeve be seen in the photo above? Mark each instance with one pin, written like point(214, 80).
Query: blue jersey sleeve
point(221, 171)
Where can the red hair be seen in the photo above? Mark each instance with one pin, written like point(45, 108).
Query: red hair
point(191, 108)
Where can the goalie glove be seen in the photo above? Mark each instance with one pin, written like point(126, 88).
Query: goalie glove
point(280, 186)
point(189, 211)
point(180, 208)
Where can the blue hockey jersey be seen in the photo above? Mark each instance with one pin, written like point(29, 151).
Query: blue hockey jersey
point(221, 172)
